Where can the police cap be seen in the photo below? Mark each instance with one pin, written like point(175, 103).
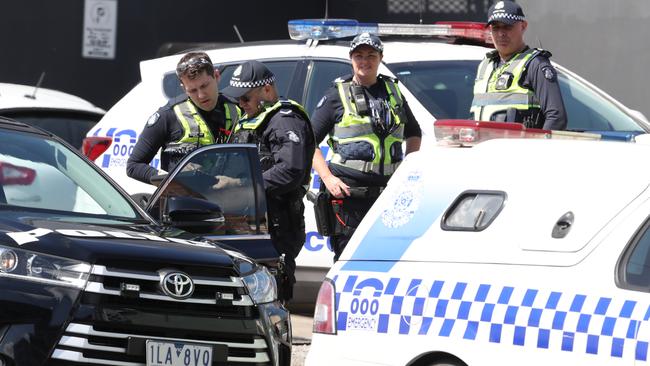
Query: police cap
point(247, 76)
point(505, 11)
point(368, 40)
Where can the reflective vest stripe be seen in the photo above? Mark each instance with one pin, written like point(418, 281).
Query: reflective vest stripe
point(352, 131)
point(364, 166)
point(232, 115)
point(194, 127)
point(504, 99)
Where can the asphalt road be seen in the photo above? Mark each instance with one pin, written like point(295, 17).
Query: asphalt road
point(301, 338)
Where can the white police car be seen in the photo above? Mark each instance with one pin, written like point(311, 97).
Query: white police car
point(514, 252)
point(65, 115)
point(436, 66)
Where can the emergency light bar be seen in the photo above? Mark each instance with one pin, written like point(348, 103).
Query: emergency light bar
point(468, 133)
point(325, 29)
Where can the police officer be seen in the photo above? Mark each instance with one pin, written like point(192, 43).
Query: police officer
point(516, 83)
point(367, 120)
point(281, 129)
point(202, 117)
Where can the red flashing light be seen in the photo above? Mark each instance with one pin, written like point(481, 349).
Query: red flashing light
point(325, 312)
point(468, 133)
point(94, 146)
point(474, 31)
point(16, 175)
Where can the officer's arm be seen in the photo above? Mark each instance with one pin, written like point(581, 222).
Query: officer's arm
point(412, 131)
point(149, 142)
point(543, 80)
point(327, 112)
point(292, 145)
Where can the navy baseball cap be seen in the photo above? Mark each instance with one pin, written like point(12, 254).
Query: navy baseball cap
point(505, 11)
point(368, 40)
point(247, 76)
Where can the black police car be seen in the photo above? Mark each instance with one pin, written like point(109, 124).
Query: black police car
point(88, 278)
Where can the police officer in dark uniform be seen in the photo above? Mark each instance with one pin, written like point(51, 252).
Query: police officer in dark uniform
point(516, 83)
point(367, 120)
point(202, 117)
point(281, 129)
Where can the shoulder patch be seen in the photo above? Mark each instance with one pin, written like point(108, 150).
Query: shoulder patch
point(549, 73)
point(153, 119)
point(293, 137)
point(321, 101)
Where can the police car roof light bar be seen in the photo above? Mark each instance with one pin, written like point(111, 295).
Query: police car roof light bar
point(455, 132)
point(325, 29)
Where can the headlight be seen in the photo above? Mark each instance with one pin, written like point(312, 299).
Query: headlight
point(30, 266)
point(261, 286)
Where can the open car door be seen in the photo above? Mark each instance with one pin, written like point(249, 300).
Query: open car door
point(217, 192)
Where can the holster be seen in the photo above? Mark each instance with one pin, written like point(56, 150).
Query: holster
point(323, 212)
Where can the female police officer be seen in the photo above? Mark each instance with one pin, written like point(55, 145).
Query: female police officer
point(367, 120)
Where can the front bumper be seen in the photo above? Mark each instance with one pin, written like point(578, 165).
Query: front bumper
point(61, 326)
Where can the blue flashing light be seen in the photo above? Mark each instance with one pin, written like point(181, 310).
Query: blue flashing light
point(323, 29)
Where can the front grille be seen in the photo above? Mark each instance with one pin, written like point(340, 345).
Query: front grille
point(83, 344)
point(225, 295)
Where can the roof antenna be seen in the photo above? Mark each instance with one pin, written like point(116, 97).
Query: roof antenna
point(540, 43)
point(421, 10)
point(241, 40)
point(327, 8)
point(38, 85)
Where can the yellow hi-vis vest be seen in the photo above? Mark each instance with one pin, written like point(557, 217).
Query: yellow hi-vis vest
point(496, 92)
point(354, 128)
point(262, 118)
point(196, 130)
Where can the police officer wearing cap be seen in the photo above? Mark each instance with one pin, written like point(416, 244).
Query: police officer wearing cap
point(201, 117)
point(367, 119)
point(516, 83)
point(281, 129)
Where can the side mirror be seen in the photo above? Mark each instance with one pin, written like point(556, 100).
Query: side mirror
point(193, 214)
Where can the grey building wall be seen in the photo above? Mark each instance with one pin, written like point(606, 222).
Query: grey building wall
point(604, 41)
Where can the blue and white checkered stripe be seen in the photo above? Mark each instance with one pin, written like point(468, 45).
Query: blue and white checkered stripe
point(539, 318)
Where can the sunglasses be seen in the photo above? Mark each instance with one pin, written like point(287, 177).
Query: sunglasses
point(247, 97)
point(193, 63)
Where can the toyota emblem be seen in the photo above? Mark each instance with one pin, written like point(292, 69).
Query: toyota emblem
point(177, 285)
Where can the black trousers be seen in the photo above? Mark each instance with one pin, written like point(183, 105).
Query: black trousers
point(287, 228)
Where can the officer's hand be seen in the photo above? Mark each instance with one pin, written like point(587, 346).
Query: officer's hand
point(190, 167)
point(336, 187)
point(227, 182)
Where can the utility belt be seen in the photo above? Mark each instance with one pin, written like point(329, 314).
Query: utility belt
point(327, 209)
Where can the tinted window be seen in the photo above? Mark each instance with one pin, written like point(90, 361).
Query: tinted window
point(445, 89)
point(222, 177)
point(43, 174)
point(70, 126)
point(283, 71)
point(321, 75)
point(636, 263)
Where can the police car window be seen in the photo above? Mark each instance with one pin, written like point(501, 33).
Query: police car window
point(636, 263)
point(444, 88)
point(283, 71)
point(321, 76)
point(221, 177)
point(588, 111)
point(473, 210)
point(70, 126)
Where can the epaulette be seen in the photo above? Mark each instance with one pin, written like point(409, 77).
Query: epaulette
point(388, 78)
point(492, 55)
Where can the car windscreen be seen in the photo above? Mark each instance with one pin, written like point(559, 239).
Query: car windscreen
point(40, 173)
point(70, 126)
point(445, 89)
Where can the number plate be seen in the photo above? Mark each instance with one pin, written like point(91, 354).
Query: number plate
point(178, 354)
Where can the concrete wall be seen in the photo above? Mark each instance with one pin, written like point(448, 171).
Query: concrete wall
point(604, 41)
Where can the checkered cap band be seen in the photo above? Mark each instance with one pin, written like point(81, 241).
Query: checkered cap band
point(252, 84)
point(506, 16)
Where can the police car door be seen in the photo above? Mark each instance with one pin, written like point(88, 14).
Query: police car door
point(225, 178)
